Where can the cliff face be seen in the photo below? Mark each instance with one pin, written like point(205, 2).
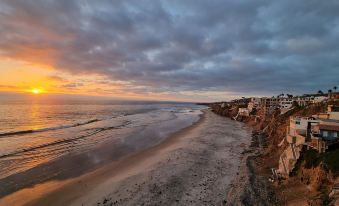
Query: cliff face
point(226, 111)
point(314, 181)
point(315, 178)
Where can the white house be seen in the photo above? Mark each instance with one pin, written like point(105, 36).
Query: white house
point(285, 104)
point(319, 99)
point(244, 112)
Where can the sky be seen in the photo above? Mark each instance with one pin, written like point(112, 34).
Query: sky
point(189, 50)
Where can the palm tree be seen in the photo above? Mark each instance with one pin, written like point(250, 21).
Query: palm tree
point(320, 92)
point(335, 88)
point(330, 91)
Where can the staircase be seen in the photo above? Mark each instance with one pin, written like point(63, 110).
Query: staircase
point(293, 151)
point(284, 164)
point(235, 118)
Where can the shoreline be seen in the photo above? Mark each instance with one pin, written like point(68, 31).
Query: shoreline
point(193, 166)
point(21, 197)
point(76, 164)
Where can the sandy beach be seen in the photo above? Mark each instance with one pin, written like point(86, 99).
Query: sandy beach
point(192, 167)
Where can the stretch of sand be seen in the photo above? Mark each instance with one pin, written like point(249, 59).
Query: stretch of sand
point(192, 167)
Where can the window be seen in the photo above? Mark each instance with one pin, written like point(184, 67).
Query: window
point(297, 122)
point(325, 134)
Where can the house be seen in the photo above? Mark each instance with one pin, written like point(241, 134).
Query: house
point(254, 103)
point(304, 100)
point(244, 112)
point(328, 131)
point(318, 99)
point(299, 126)
point(285, 104)
point(268, 105)
point(325, 135)
point(332, 113)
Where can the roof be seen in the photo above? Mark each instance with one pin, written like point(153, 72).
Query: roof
point(329, 121)
point(329, 127)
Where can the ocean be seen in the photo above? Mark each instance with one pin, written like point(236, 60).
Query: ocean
point(36, 132)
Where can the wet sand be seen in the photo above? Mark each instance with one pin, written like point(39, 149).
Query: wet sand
point(192, 167)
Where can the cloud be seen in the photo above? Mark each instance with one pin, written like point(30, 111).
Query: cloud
point(72, 85)
point(8, 87)
point(56, 78)
point(242, 47)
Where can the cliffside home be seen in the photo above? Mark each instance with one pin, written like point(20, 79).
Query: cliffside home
point(324, 136)
point(285, 104)
point(268, 105)
point(244, 112)
point(318, 99)
point(310, 99)
point(297, 137)
point(320, 132)
point(254, 103)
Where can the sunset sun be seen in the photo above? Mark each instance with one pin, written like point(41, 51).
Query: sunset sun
point(36, 91)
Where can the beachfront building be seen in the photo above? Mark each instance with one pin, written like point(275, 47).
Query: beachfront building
point(304, 100)
point(285, 104)
point(300, 126)
point(319, 132)
point(332, 113)
point(310, 99)
point(253, 104)
point(244, 112)
point(268, 105)
point(324, 136)
point(319, 99)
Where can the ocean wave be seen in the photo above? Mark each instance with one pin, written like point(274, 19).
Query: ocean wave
point(2, 135)
point(65, 141)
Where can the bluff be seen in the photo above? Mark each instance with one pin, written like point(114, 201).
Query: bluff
point(314, 174)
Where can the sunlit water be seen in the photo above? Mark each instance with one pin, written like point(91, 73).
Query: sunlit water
point(36, 132)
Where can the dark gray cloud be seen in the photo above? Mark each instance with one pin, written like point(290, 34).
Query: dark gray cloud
point(239, 46)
